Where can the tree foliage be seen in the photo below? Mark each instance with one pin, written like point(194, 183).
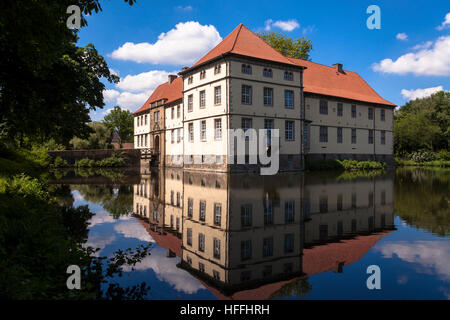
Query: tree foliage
point(294, 48)
point(423, 124)
point(48, 84)
point(100, 138)
point(122, 122)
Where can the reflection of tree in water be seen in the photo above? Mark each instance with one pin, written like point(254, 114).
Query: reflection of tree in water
point(116, 200)
point(299, 288)
point(421, 198)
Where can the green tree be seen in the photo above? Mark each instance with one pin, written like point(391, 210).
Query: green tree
point(294, 48)
point(120, 121)
point(100, 138)
point(48, 84)
point(423, 124)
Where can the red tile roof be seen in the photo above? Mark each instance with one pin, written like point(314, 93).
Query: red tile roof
point(242, 41)
point(169, 91)
point(321, 79)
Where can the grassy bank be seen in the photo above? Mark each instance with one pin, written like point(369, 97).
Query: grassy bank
point(412, 163)
point(344, 165)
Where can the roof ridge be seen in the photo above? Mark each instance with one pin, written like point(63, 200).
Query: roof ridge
point(237, 36)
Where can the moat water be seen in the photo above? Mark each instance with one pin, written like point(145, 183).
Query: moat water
point(288, 236)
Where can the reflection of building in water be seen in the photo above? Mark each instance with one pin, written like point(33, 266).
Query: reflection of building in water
point(249, 236)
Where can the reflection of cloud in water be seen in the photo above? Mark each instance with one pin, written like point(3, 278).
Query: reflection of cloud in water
point(133, 229)
point(97, 240)
point(166, 270)
point(77, 196)
point(104, 216)
point(432, 256)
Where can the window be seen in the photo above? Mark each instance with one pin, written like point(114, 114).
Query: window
point(268, 125)
point(370, 136)
point(203, 130)
point(267, 73)
point(289, 211)
point(289, 99)
point(171, 221)
point(202, 99)
point(289, 130)
point(353, 110)
point(190, 102)
point(189, 237)
point(178, 224)
point(268, 211)
point(268, 247)
point(323, 232)
point(288, 243)
point(190, 207)
point(216, 275)
point(323, 109)
point(246, 275)
point(216, 244)
point(288, 76)
point(246, 215)
point(246, 94)
point(178, 199)
point(172, 136)
point(172, 113)
point(383, 197)
point(353, 200)
point(323, 134)
point(201, 242)
point(370, 199)
point(246, 68)
point(323, 203)
point(353, 136)
point(353, 227)
point(178, 135)
point(246, 250)
point(217, 95)
point(191, 132)
point(268, 96)
point(202, 213)
point(190, 80)
point(370, 114)
point(340, 109)
point(217, 69)
point(145, 119)
point(339, 135)
point(246, 124)
point(382, 115)
point(178, 111)
point(156, 116)
point(383, 137)
point(340, 199)
point(340, 228)
point(202, 74)
point(201, 267)
point(267, 271)
point(218, 129)
point(217, 214)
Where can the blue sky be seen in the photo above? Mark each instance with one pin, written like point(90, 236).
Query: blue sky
point(147, 41)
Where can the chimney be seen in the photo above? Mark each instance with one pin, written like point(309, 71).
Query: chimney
point(338, 67)
point(172, 77)
point(184, 68)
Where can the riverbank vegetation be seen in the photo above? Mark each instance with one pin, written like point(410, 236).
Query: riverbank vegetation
point(345, 165)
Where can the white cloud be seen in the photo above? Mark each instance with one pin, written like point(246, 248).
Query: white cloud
point(144, 81)
point(185, 8)
point(422, 46)
point(114, 71)
point(110, 95)
point(402, 36)
point(132, 100)
point(180, 46)
point(103, 216)
point(133, 229)
point(446, 23)
point(419, 93)
point(166, 270)
point(287, 25)
point(433, 61)
point(431, 256)
point(99, 241)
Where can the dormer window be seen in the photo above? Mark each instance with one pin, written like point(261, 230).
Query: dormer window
point(288, 76)
point(246, 68)
point(217, 69)
point(267, 73)
point(202, 74)
point(190, 80)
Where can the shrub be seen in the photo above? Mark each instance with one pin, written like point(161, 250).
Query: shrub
point(83, 163)
point(422, 156)
point(111, 162)
point(60, 163)
point(345, 165)
point(443, 155)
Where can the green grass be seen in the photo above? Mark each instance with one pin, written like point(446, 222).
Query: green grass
point(411, 163)
point(345, 165)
